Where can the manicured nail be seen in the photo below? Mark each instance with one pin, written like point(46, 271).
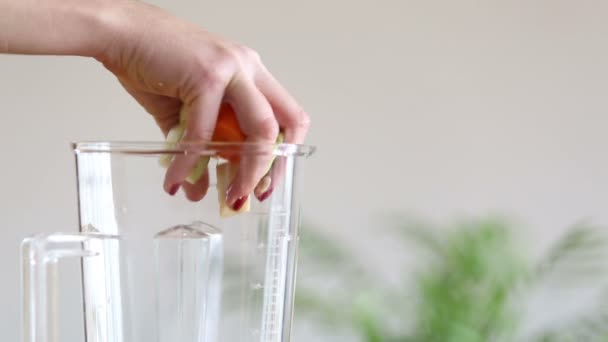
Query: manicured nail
point(265, 195)
point(263, 186)
point(174, 189)
point(238, 204)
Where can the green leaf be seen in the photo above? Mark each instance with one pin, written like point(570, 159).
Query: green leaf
point(464, 295)
point(465, 289)
point(581, 251)
point(419, 233)
point(368, 318)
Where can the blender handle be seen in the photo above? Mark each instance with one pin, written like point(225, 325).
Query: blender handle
point(40, 255)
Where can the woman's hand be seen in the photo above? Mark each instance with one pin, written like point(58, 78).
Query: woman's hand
point(165, 63)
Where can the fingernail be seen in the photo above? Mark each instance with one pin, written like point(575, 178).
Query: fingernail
point(238, 204)
point(174, 189)
point(262, 186)
point(265, 195)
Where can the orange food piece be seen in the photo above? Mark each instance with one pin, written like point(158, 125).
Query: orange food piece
point(227, 129)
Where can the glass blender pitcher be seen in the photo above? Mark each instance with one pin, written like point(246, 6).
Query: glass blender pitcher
point(161, 268)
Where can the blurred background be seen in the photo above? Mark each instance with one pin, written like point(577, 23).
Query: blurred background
point(477, 122)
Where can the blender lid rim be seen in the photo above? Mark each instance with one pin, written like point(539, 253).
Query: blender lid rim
point(203, 148)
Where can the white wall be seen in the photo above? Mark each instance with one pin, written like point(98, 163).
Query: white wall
point(438, 108)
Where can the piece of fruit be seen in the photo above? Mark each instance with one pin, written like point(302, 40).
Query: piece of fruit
point(225, 174)
point(227, 129)
point(198, 170)
point(173, 137)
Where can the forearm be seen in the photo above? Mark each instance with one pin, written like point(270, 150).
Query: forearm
point(55, 27)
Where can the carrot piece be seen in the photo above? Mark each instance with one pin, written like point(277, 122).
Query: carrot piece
point(227, 127)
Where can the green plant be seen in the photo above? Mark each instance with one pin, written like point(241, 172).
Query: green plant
point(471, 286)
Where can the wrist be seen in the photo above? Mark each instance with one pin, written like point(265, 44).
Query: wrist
point(120, 27)
point(108, 21)
point(57, 27)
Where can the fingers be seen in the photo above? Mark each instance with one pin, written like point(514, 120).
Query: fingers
point(289, 114)
point(262, 105)
point(293, 121)
point(202, 115)
point(195, 192)
point(257, 121)
point(271, 180)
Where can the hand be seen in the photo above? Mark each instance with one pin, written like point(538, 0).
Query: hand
point(166, 63)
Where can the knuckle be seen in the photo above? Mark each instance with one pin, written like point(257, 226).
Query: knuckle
point(212, 82)
point(247, 58)
point(303, 119)
point(267, 129)
point(226, 58)
point(210, 78)
point(251, 55)
point(216, 71)
point(300, 120)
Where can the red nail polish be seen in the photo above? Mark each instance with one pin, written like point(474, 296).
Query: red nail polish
point(174, 189)
point(265, 195)
point(238, 204)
